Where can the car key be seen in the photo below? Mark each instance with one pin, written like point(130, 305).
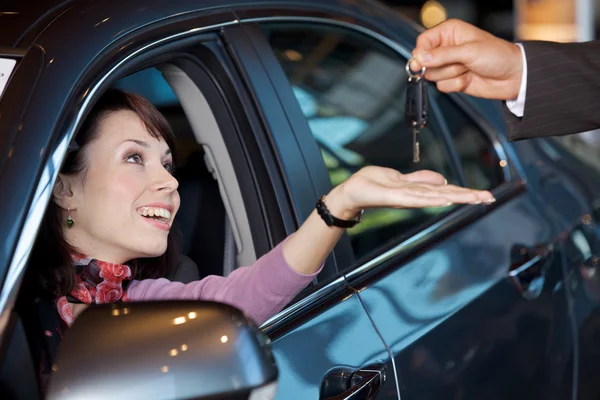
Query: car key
point(417, 103)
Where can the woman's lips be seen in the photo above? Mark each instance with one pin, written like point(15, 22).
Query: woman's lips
point(165, 226)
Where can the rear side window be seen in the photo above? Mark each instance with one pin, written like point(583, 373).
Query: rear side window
point(7, 66)
point(351, 89)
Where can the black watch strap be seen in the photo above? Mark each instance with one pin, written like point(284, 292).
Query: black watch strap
point(331, 220)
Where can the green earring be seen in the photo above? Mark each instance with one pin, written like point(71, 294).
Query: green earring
point(69, 222)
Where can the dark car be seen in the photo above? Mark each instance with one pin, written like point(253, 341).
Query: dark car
point(274, 102)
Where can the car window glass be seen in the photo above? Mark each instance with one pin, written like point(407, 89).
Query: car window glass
point(352, 91)
point(481, 165)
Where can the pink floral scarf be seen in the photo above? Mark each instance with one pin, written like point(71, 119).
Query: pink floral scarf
point(98, 282)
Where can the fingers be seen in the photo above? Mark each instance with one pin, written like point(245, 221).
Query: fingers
point(458, 84)
point(464, 194)
point(417, 189)
point(444, 56)
point(449, 33)
point(452, 193)
point(444, 73)
point(392, 177)
point(399, 198)
point(439, 35)
point(425, 176)
point(469, 197)
point(418, 198)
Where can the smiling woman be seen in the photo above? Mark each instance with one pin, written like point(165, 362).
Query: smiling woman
point(102, 187)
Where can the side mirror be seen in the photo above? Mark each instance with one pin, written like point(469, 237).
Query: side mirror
point(164, 350)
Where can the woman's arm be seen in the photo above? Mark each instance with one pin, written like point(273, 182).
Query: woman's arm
point(264, 288)
point(260, 290)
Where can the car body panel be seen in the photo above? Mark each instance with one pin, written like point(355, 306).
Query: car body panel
point(339, 336)
point(459, 328)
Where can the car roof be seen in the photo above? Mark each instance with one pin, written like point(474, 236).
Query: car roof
point(21, 21)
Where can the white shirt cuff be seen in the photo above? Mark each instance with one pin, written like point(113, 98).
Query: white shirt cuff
point(517, 107)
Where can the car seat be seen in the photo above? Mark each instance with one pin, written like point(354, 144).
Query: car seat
point(207, 236)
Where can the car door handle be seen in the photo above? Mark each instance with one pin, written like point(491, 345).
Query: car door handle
point(360, 385)
point(528, 268)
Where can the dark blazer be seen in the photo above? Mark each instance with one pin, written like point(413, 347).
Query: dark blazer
point(563, 90)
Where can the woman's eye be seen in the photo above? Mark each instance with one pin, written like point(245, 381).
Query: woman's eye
point(170, 167)
point(135, 158)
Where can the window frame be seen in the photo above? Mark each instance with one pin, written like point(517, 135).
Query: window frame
point(361, 271)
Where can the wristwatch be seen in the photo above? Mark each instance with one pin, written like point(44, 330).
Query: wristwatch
point(331, 220)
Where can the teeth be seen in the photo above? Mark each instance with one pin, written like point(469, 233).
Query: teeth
point(154, 212)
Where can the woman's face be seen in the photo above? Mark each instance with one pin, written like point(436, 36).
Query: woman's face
point(126, 199)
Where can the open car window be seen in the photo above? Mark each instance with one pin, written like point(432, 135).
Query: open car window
point(7, 66)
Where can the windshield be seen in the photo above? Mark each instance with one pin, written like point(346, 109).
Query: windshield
point(7, 65)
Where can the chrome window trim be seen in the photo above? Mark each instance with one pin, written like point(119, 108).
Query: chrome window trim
point(36, 211)
point(502, 192)
point(301, 306)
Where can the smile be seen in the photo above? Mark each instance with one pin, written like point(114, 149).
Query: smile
point(157, 216)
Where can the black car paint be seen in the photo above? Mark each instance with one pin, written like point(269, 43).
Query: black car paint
point(51, 85)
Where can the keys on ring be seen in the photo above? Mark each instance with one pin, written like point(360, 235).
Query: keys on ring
point(417, 103)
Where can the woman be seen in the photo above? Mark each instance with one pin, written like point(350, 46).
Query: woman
point(107, 234)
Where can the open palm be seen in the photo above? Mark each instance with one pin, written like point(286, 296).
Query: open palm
point(374, 187)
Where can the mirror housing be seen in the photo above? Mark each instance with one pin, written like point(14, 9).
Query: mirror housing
point(164, 350)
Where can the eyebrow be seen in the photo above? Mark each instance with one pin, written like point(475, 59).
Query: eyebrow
point(144, 144)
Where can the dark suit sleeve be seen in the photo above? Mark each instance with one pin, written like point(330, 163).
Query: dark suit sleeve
point(563, 90)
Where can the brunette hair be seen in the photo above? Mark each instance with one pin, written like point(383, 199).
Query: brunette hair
point(51, 257)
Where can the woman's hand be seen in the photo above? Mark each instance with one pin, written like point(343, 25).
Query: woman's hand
point(375, 187)
point(371, 187)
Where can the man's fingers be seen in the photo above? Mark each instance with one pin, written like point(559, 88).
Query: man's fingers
point(415, 66)
point(444, 73)
point(442, 34)
point(464, 54)
point(449, 33)
point(458, 84)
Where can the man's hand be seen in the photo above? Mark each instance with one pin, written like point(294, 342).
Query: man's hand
point(460, 57)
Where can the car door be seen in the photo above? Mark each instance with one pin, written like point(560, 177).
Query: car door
point(572, 189)
point(469, 299)
point(323, 342)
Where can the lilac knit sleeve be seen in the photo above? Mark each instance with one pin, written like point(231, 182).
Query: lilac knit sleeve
point(260, 290)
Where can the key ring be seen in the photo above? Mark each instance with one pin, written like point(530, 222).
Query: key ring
point(413, 75)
